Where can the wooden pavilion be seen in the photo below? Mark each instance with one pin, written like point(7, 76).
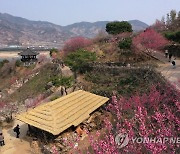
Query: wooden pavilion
point(70, 110)
point(28, 56)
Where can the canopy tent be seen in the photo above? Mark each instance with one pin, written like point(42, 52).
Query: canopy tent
point(62, 113)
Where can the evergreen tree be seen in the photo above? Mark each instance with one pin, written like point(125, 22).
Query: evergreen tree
point(163, 19)
point(172, 16)
point(168, 21)
point(118, 27)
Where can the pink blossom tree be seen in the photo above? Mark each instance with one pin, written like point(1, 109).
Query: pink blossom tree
point(33, 102)
point(43, 58)
point(150, 39)
point(149, 115)
point(76, 43)
point(7, 109)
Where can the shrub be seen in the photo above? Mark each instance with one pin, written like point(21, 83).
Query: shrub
point(18, 63)
point(53, 51)
point(125, 81)
point(79, 60)
point(66, 82)
point(173, 36)
point(3, 62)
point(174, 49)
point(62, 81)
point(125, 44)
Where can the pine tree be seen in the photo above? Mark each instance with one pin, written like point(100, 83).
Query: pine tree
point(163, 19)
point(172, 16)
point(168, 22)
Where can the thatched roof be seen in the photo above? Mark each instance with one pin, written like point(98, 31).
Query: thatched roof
point(28, 52)
point(62, 113)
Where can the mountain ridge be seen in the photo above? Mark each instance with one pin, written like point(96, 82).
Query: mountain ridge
point(21, 31)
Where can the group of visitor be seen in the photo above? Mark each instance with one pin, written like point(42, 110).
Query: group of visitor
point(16, 130)
point(169, 55)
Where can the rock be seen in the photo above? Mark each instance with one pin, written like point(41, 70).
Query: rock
point(53, 89)
point(49, 85)
point(26, 80)
point(92, 125)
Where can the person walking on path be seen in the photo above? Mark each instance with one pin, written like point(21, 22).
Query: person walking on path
point(1, 139)
point(170, 56)
point(166, 53)
point(16, 130)
point(174, 63)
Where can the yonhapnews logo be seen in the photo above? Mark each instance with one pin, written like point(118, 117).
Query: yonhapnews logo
point(122, 140)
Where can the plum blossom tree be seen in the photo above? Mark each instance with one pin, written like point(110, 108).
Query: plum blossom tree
point(7, 109)
point(43, 58)
point(33, 102)
point(149, 115)
point(76, 43)
point(150, 39)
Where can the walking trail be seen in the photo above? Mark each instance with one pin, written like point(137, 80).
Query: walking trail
point(15, 145)
point(167, 70)
point(170, 73)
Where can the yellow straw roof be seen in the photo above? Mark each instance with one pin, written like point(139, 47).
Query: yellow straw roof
point(62, 113)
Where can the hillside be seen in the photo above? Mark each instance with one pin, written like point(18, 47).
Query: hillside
point(17, 30)
point(102, 68)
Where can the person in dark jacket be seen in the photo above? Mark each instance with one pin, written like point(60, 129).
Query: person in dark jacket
point(1, 139)
point(174, 63)
point(166, 53)
point(170, 56)
point(16, 130)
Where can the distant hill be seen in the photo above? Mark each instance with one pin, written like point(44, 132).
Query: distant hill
point(17, 30)
point(88, 29)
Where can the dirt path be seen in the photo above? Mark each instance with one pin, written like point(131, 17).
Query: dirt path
point(170, 73)
point(15, 145)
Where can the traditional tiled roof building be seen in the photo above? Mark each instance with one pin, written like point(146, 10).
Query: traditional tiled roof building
point(28, 56)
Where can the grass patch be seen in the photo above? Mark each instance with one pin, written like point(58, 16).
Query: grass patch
point(123, 81)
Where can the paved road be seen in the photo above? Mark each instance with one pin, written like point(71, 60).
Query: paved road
point(170, 73)
point(166, 68)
